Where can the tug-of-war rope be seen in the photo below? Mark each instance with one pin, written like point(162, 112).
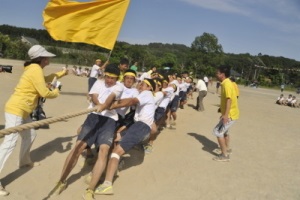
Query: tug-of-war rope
point(44, 122)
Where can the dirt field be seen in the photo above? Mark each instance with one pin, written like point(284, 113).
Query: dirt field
point(264, 164)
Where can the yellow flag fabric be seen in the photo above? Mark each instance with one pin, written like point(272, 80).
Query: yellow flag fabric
point(96, 22)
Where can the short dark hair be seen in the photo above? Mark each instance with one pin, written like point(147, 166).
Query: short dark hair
point(124, 61)
point(112, 69)
point(225, 69)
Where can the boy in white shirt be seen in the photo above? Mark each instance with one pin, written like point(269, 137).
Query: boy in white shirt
point(135, 134)
point(173, 106)
point(293, 102)
point(126, 118)
point(280, 99)
point(98, 129)
point(288, 100)
point(162, 99)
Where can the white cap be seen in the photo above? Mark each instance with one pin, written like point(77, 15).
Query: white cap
point(38, 51)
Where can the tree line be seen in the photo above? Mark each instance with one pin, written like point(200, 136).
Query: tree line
point(201, 58)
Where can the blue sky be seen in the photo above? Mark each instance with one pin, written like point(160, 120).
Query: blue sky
point(269, 27)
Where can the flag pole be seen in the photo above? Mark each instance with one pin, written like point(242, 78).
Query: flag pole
point(109, 55)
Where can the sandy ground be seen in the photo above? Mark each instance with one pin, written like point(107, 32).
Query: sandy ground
point(264, 165)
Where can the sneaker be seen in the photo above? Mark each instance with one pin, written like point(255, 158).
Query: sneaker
point(88, 195)
point(30, 165)
point(60, 186)
point(3, 192)
point(104, 189)
point(148, 148)
point(222, 158)
point(218, 151)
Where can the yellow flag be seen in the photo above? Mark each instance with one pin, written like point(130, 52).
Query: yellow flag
point(96, 22)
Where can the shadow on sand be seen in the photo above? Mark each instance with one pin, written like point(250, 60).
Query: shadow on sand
point(133, 157)
point(40, 154)
point(208, 145)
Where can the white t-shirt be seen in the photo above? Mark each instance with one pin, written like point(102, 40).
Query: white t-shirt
point(205, 79)
point(127, 93)
point(289, 99)
point(144, 75)
point(158, 98)
point(177, 85)
point(103, 92)
point(280, 98)
point(183, 86)
point(94, 71)
point(201, 85)
point(78, 72)
point(169, 93)
point(145, 108)
point(164, 102)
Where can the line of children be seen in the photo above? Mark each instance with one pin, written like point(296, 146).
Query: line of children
point(115, 130)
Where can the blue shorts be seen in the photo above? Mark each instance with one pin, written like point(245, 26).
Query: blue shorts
point(137, 133)
point(190, 89)
point(91, 82)
point(182, 96)
point(173, 105)
point(128, 120)
point(97, 129)
point(159, 113)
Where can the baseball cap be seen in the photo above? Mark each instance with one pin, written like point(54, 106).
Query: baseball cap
point(38, 51)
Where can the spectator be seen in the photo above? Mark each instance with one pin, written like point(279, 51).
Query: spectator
point(22, 102)
point(280, 100)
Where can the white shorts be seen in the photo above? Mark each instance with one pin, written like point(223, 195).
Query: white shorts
point(222, 129)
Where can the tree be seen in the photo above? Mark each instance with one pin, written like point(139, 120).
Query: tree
point(4, 42)
point(207, 43)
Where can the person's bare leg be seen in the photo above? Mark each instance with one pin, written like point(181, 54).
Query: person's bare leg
point(153, 134)
point(174, 116)
point(168, 118)
point(222, 143)
point(99, 166)
point(113, 163)
point(227, 141)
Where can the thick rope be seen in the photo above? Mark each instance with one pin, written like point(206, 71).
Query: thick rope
point(44, 122)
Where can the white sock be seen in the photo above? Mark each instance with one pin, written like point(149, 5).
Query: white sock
point(107, 183)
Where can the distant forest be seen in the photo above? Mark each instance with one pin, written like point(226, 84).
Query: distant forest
point(201, 58)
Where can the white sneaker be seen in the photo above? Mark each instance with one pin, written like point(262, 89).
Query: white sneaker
point(3, 192)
